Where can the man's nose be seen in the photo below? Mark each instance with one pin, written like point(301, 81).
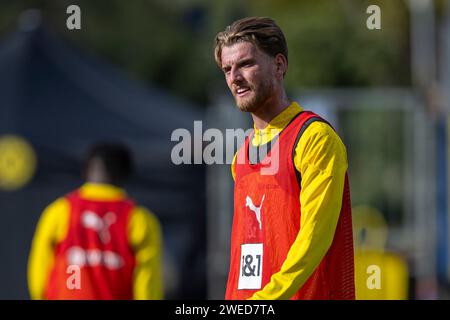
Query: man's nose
point(236, 75)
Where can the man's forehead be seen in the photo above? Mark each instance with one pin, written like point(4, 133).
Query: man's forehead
point(238, 51)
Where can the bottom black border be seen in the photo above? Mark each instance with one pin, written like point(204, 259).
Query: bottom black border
point(217, 309)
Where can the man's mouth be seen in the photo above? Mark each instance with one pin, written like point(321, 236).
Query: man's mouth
point(242, 91)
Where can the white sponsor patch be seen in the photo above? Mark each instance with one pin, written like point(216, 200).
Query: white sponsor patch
point(250, 272)
point(94, 258)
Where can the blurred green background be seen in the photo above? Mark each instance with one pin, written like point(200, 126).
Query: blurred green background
point(170, 42)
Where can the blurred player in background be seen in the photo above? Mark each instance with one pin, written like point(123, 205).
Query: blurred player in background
point(96, 243)
point(292, 228)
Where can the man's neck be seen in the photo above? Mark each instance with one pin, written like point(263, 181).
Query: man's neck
point(268, 111)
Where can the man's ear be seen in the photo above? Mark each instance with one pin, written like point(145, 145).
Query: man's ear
point(281, 65)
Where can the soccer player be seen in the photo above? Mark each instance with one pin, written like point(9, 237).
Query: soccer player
point(292, 229)
point(96, 243)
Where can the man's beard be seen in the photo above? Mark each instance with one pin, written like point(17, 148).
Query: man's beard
point(260, 94)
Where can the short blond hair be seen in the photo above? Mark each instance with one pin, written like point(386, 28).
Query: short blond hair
point(261, 31)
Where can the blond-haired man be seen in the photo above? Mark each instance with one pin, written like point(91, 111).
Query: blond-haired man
point(292, 228)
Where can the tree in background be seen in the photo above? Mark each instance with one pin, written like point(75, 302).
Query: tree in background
point(169, 43)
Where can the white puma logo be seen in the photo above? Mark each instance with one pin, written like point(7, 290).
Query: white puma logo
point(91, 220)
point(255, 209)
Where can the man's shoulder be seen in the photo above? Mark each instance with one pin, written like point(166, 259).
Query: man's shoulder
point(142, 215)
point(319, 129)
point(320, 137)
point(142, 226)
point(56, 211)
point(58, 203)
